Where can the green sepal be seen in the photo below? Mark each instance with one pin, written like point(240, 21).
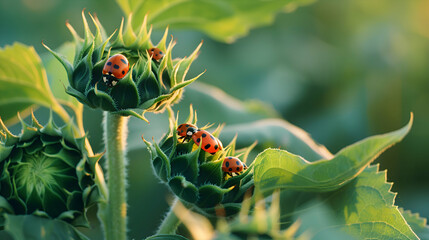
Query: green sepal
point(185, 190)
point(50, 128)
point(186, 165)
point(184, 66)
point(5, 152)
point(236, 179)
point(8, 138)
point(211, 172)
point(28, 132)
point(129, 112)
point(81, 75)
point(93, 160)
point(101, 99)
point(238, 192)
point(229, 209)
point(161, 164)
point(67, 65)
point(210, 195)
point(79, 96)
point(125, 93)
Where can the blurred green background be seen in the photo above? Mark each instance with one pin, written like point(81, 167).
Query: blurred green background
point(341, 70)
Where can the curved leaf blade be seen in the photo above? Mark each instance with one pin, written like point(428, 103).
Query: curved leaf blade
point(366, 208)
point(33, 227)
point(24, 81)
point(223, 20)
point(417, 223)
point(279, 169)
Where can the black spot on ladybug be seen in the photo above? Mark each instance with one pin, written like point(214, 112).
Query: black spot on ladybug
point(122, 60)
point(227, 164)
point(198, 140)
point(181, 130)
point(230, 158)
point(212, 138)
point(187, 125)
point(109, 63)
point(238, 163)
point(160, 52)
point(216, 146)
point(156, 54)
point(204, 135)
point(116, 66)
point(230, 169)
point(238, 168)
point(207, 146)
point(123, 72)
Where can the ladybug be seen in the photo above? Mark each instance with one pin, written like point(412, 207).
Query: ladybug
point(232, 165)
point(116, 68)
point(183, 129)
point(156, 53)
point(209, 143)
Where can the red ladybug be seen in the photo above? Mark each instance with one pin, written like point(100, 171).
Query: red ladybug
point(116, 68)
point(209, 143)
point(183, 129)
point(232, 165)
point(156, 53)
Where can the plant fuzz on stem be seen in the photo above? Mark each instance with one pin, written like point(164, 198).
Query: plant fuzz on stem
point(114, 213)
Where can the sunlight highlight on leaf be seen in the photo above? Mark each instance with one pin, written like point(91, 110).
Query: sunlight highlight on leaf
point(279, 169)
point(24, 82)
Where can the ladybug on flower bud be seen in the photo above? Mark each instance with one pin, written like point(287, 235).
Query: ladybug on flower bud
point(209, 143)
point(232, 165)
point(114, 69)
point(156, 53)
point(182, 131)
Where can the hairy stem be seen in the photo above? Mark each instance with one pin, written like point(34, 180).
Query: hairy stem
point(114, 212)
point(170, 222)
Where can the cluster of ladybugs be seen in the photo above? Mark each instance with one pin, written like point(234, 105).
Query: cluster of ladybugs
point(210, 144)
point(117, 66)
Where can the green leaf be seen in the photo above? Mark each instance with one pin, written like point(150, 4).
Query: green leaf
point(57, 75)
point(366, 208)
point(24, 81)
point(33, 227)
point(210, 195)
point(279, 169)
point(166, 237)
point(417, 223)
point(223, 20)
point(183, 189)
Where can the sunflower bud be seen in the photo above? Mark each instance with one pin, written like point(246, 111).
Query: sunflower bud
point(150, 84)
point(46, 171)
point(196, 176)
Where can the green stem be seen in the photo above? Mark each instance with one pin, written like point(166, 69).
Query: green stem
point(114, 212)
point(170, 222)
